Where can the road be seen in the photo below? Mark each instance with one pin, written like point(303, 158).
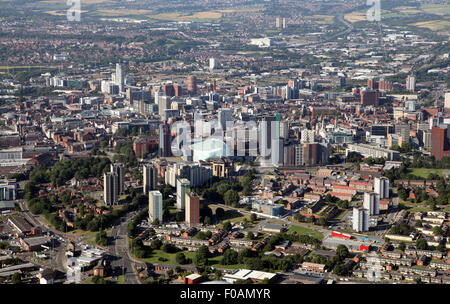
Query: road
point(119, 248)
point(324, 231)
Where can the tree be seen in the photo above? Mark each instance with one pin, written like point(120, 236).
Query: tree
point(201, 256)
point(402, 246)
point(243, 254)
point(156, 222)
point(440, 248)
point(227, 226)
point(101, 238)
point(253, 217)
point(16, 278)
point(340, 270)
point(156, 244)
point(421, 244)
point(437, 230)
point(223, 188)
point(207, 220)
point(231, 198)
point(180, 258)
point(230, 257)
point(220, 213)
point(168, 248)
point(342, 251)
point(322, 221)
point(250, 236)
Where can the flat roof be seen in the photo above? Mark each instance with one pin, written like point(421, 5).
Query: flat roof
point(17, 267)
point(273, 226)
point(193, 276)
point(36, 241)
point(7, 205)
point(244, 274)
point(20, 223)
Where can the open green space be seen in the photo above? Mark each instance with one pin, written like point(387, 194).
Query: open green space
point(341, 215)
point(121, 279)
point(171, 259)
point(303, 230)
point(419, 209)
point(424, 172)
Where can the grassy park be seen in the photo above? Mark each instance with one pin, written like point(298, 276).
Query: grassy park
point(302, 230)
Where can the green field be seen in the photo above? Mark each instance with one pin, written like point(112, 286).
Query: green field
point(419, 209)
point(424, 172)
point(121, 279)
point(302, 230)
point(156, 254)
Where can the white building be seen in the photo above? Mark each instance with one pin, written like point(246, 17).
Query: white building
point(212, 63)
point(246, 274)
point(307, 136)
point(447, 100)
point(360, 220)
point(381, 187)
point(224, 115)
point(155, 206)
point(411, 83)
point(119, 77)
point(372, 203)
point(183, 186)
point(261, 42)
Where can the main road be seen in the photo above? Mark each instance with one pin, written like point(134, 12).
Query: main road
point(119, 248)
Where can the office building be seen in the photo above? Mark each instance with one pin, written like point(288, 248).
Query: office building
point(293, 155)
point(267, 132)
point(440, 145)
point(164, 149)
point(403, 130)
point(196, 174)
point(381, 187)
point(164, 103)
point(110, 190)
point(372, 203)
point(155, 206)
point(284, 129)
point(224, 115)
point(314, 153)
point(373, 151)
point(370, 97)
point(307, 136)
point(360, 220)
point(277, 152)
point(192, 211)
point(150, 176)
point(8, 191)
point(183, 187)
